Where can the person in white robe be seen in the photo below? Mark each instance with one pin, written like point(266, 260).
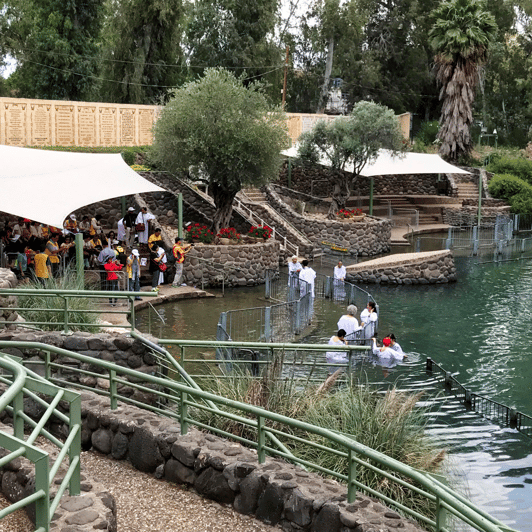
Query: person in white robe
point(162, 254)
point(394, 345)
point(294, 267)
point(338, 281)
point(369, 317)
point(349, 323)
point(337, 357)
point(144, 217)
point(386, 353)
point(121, 233)
point(309, 275)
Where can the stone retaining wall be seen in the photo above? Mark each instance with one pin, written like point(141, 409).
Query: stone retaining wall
point(275, 492)
point(245, 264)
point(8, 280)
point(433, 267)
point(316, 181)
point(93, 509)
point(369, 237)
point(468, 215)
point(117, 349)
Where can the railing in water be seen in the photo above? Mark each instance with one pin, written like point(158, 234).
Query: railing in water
point(502, 414)
point(182, 401)
point(21, 383)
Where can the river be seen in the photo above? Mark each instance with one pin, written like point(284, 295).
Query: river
point(478, 328)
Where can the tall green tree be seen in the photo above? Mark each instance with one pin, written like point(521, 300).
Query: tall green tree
point(460, 37)
point(54, 43)
point(353, 140)
point(226, 131)
point(141, 50)
point(238, 36)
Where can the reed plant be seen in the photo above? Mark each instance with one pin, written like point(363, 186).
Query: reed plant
point(389, 422)
point(49, 309)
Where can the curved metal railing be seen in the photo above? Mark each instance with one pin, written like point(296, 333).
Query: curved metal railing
point(186, 400)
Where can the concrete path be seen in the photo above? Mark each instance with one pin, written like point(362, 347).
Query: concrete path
point(399, 233)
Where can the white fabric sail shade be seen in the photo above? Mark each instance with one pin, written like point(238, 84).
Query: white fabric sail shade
point(46, 186)
point(387, 164)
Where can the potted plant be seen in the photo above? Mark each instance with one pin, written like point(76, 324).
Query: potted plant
point(228, 235)
point(199, 233)
point(260, 232)
point(353, 215)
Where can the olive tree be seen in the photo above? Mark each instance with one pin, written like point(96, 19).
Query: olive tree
point(352, 140)
point(227, 131)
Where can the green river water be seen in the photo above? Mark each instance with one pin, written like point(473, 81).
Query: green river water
point(479, 328)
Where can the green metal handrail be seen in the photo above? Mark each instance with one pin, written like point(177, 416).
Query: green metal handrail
point(356, 453)
point(25, 382)
point(73, 294)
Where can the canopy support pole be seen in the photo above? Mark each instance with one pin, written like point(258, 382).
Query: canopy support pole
point(371, 196)
point(123, 204)
point(180, 215)
point(80, 262)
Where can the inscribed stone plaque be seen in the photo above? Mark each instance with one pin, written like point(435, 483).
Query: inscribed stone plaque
point(41, 124)
point(15, 124)
point(87, 126)
point(145, 125)
point(127, 127)
point(108, 126)
point(64, 125)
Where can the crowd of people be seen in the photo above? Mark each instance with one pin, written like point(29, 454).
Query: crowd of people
point(41, 252)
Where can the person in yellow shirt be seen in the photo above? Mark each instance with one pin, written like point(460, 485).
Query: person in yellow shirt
point(43, 269)
point(52, 250)
point(156, 237)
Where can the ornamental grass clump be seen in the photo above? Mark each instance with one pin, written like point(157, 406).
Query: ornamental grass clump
point(49, 309)
point(390, 423)
point(199, 232)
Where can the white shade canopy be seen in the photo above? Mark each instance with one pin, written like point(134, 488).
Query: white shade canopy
point(46, 186)
point(406, 163)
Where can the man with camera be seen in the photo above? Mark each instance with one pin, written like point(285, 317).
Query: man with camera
point(179, 251)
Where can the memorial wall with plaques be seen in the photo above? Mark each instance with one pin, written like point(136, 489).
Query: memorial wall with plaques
point(25, 122)
point(60, 123)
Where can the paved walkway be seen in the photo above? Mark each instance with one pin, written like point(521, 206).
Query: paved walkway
point(399, 233)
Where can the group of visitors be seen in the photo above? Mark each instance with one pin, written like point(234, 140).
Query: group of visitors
point(298, 272)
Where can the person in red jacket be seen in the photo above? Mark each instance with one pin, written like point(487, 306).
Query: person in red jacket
point(112, 266)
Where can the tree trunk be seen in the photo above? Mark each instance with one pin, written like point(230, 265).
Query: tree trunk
point(223, 199)
point(340, 193)
point(328, 69)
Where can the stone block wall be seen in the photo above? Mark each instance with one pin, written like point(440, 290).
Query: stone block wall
point(435, 267)
point(278, 493)
point(316, 181)
point(468, 215)
point(8, 280)
point(369, 237)
point(117, 349)
point(245, 264)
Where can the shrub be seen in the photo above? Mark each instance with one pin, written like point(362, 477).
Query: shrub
point(522, 203)
point(517, 166)
point(504, 186)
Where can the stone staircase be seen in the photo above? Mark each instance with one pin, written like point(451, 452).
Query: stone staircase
point(467, 191)
point(292, 240)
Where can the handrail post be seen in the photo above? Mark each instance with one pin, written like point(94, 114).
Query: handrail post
point(351, 477)
point(267, 324)
point(113, 389)
point(441, 516)
point(47, 368)
point(261, 440)
point(268, 286)
point(132, 317)
point(18, 421)
point(42, 505)
point(74, 485)
point(66, 329)
point(183, 413)
point(298, 316)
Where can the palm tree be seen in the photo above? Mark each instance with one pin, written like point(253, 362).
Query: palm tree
point(460, 38)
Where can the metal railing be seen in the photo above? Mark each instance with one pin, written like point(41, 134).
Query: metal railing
point(65, 315)
point(184, 402)
point(24, 384)
point(502, 414)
